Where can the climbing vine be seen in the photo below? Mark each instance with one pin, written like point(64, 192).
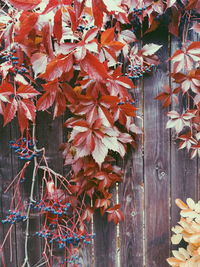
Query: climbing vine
point(83, 58)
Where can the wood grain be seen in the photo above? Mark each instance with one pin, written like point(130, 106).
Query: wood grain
point(184, 171)
point(105, 242)
point(156, 162)
point(131, 196)
point(6, 177)
point(50, 135)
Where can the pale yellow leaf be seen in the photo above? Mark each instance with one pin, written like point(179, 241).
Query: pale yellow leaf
point(191, 204)
point(176, 239)
point(181, 204)
point(173, 261)
point(178, 255)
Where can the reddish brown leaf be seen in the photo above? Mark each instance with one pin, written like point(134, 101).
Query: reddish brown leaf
point(27, 22)
point(98, 8)
point(107, 36)
point(95, 69)
point(27, 91)
point(10, 111)
point(115, 214)
point(57, 67)
point(57, 28)
point(25, 4)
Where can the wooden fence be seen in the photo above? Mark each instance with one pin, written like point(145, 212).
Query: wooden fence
point(155, 175)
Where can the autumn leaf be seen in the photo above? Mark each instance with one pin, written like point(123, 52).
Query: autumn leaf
point(98, 9)
point(191, 80)
point(150, 49)
point(179, 121)
point(95, 69)
point(10, 111)
point(27, 91)
point(25, 4)
point(57, 28)
point(187, 140)
point(168, 96)
point(115, 214)
point(186, 57)
point(6, 89)
point(57, 67)
point(39, 63)
point(27, 21)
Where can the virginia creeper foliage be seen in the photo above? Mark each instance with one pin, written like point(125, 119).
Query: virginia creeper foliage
point(83, 57)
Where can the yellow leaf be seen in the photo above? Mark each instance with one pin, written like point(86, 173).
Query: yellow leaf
point(181, 204)
point(176, 239)
point(174, 262)
point(190, 202)
point(178, 255)
point(184, 252)
point(188, 213)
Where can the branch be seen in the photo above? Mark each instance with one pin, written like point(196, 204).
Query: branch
point(26, 259)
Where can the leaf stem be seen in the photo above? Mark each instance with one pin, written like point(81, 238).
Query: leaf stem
point(26, 259)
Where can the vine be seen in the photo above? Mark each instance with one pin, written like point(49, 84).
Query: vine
point(83, 58)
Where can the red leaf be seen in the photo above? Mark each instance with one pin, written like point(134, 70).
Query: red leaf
point(95, 69)
point(6, 89)
point(57, 67)
point(29, 108)
point(69, 93)
point(57, 28)
point(27, 91)
point(22, 119)
point(39, 63)
point(107, 36)
point(175, 21)
point(115, 214)
point(48, 98)
point(10, 111)
point(27, 22)
point(54, 3)
point(78, 7)
point(25, 4)
point(98, 7)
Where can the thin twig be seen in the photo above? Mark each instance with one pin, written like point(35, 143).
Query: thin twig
point(26, 259)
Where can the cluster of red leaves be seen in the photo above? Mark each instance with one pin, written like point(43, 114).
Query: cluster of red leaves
point(64, 55)
point(185, 73)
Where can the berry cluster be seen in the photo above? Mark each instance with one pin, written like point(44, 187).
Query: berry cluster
point(126, 101)
point(16, 66)
point(55, 207)
point(139, 11)
point(64, 238)
point(137, 71)
point(73, 260)
point(13, 217)
point(24, 148)
point(86, 24)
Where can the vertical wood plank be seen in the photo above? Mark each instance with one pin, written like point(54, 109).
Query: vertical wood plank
point(6, 177)
point(34, 243)
point(105, 242)
point(49, 134)
point(184, 173)
point(132, 197)
point(156, 161)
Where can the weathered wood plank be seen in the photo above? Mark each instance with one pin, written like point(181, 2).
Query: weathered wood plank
point(105, 242)
point(131, 197)
point(49, 135)
point(6, 177)
point(156, 162)
point(184, 171)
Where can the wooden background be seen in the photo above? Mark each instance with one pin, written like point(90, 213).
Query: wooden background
point(155, 175)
